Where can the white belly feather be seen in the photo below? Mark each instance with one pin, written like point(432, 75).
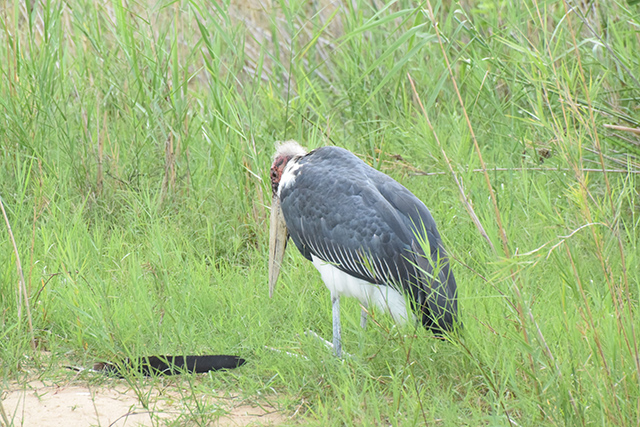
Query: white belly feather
point(383, 297)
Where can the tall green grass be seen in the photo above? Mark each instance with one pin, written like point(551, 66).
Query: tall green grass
point(135, 143)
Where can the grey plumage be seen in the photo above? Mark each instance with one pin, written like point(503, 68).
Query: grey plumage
point(339, 209)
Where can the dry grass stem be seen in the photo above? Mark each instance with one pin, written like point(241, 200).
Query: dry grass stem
point(503, 234)
point(623, 171)
point(22, 291)
point(465, 200)
point(623, 128)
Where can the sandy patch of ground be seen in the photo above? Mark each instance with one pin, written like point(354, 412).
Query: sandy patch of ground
point(117, 404)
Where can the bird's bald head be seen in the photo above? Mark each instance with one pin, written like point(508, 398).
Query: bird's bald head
point(285, 151)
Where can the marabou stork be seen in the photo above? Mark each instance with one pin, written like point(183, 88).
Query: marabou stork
point(367, 235)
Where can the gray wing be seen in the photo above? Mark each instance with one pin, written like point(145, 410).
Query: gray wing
point(368, 225)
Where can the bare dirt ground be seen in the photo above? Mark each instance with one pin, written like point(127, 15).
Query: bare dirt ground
point(80, 405)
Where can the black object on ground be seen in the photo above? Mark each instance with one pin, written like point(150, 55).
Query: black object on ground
point(171, 365)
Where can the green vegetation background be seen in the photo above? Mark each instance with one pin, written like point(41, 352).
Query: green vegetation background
point(135, 144)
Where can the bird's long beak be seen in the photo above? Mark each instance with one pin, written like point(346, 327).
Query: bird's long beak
point(277, 243)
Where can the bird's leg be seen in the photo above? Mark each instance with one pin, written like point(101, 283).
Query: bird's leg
point(363, 318)
point(337, 334)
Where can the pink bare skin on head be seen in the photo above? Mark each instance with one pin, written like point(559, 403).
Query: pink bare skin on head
point(277, 168)
point(285, 151)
